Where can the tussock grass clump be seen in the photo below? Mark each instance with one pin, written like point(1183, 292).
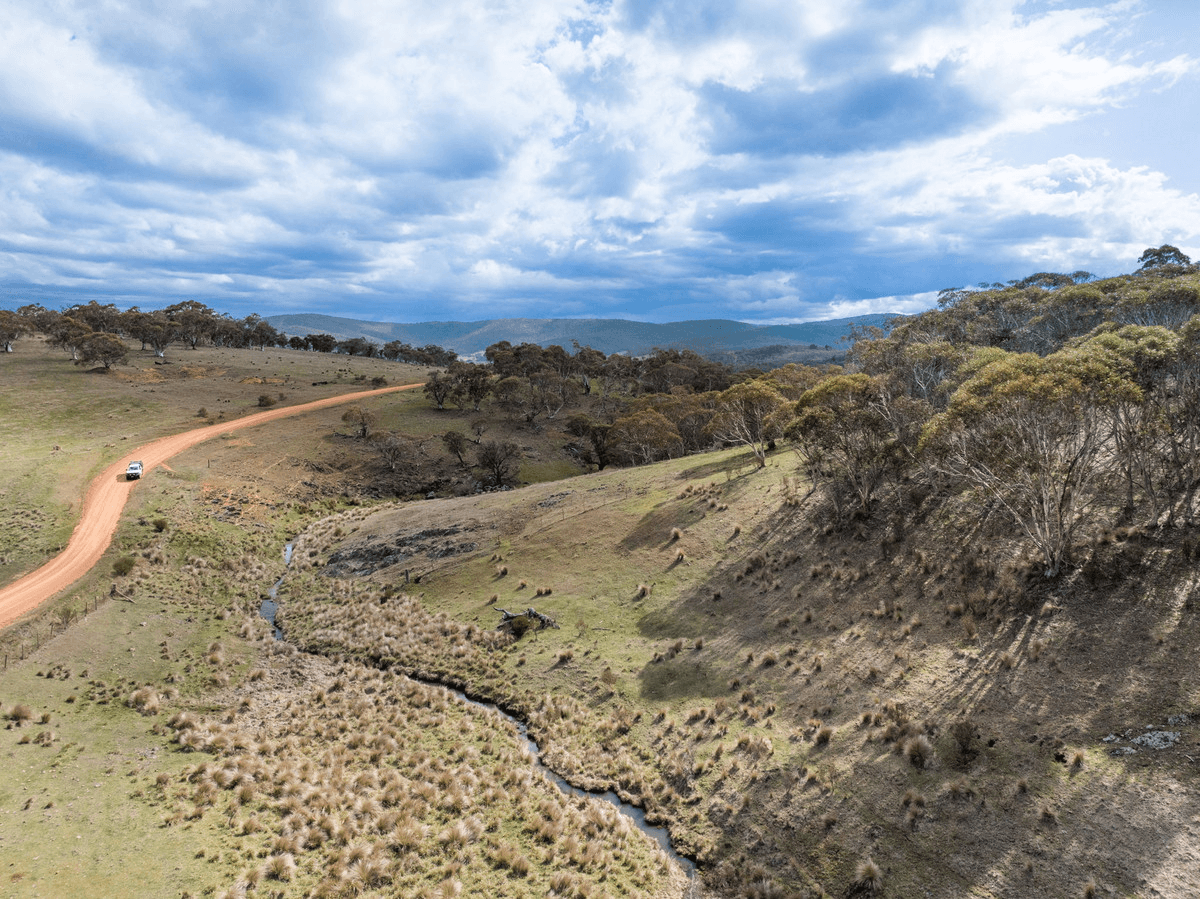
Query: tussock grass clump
point(281, 867)
point(918, 750)
point(146, 700)
point(868, 876)
point(913, 798)
point(20, 713)
point(965, 734)
point(756, 745)
point(327, 811)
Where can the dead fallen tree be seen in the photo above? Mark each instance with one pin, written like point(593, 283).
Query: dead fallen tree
point(517, 623)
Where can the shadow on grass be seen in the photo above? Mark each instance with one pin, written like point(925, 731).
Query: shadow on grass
point(685, 676)
point(654, 530)
point(734, 466)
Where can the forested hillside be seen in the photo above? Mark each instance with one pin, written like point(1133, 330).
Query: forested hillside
point(634, 338)
point(1065, 407)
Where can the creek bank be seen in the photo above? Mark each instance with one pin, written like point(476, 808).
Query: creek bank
point(459, 689)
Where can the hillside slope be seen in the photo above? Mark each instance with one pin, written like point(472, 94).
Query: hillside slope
point(807, 707)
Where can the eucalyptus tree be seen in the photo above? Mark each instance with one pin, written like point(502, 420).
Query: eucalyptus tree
point(1032, 434)
point(747, 414)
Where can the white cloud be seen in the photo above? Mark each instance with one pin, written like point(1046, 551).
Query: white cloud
point(540, 154)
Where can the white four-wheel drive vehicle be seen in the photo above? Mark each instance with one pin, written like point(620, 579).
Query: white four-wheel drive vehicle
point(134, 471)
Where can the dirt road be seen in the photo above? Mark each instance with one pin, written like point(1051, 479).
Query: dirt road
point(106, 498)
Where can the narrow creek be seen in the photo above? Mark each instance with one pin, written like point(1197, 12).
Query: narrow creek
point(270, 605)
point(660, 835)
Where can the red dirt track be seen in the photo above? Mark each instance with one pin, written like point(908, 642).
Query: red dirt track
point(106, 499)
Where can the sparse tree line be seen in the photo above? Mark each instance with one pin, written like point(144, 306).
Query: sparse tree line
point(92, 333)
point(1061, 403)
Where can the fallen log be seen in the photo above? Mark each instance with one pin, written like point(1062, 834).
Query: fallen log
point(519, 622)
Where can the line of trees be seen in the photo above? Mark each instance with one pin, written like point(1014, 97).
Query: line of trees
point(189, 323)
point(621, 409)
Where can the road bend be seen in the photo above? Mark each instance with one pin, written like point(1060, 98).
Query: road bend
point(108, 493)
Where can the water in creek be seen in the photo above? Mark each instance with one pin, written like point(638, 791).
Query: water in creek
point(270, 605)
point(637, 815)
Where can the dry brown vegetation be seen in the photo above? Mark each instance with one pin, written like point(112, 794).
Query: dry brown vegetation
point(900, 705)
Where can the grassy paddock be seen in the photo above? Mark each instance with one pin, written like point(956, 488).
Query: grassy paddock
point(60, 424)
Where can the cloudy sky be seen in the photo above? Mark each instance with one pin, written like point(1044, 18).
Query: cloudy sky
point(762, 160)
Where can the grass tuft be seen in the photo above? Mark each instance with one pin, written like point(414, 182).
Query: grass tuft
point(868, 876)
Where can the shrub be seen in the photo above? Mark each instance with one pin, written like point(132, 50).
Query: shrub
point(160, 524)
point(20, 713)
point(266, 400)
point(123, 566)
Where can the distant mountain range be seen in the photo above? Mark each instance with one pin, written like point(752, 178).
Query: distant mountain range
point(707, 337)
